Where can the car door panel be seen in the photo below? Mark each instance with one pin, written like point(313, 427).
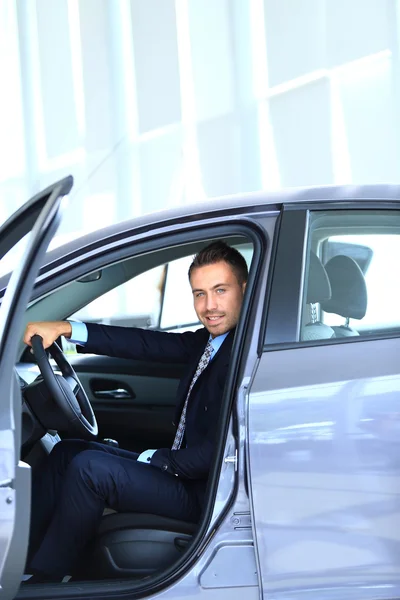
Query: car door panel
point(325, 471)
point(39, 218)
point(137, 406)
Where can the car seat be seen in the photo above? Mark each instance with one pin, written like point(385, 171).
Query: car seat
point(134, 545)
point(318, 290)
point(349, 293)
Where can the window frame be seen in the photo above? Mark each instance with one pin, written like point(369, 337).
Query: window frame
point(284, 304)
point(164, 291)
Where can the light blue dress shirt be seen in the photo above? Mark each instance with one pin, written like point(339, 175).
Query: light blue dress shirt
point(79, 333)
point(216, 343)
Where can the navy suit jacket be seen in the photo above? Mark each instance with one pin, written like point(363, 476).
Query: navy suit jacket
point(192, 462)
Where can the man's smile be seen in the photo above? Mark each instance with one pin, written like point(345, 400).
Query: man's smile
point(214, 318)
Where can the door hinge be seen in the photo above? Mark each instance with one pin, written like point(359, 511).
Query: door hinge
point(232, 459)
point(241, 520)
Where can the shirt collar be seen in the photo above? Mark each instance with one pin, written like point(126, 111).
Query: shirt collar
point(217, 342)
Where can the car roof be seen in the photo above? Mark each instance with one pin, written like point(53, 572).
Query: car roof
point(226, 205)
point(231, 204)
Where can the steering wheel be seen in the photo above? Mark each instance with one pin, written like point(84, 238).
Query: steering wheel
point(66, 389)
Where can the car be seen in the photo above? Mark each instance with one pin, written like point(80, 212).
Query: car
point(304, 493)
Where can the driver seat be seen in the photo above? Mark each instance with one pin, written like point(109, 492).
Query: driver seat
point(135, 545)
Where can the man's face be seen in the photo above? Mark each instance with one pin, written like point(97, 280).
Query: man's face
point(217, 297)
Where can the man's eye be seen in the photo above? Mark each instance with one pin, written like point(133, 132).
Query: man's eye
point(220, 290)
point(199, 294)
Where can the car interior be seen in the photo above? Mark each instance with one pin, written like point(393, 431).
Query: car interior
point(133, 402)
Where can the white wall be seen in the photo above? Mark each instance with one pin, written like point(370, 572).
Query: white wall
point(154, 103)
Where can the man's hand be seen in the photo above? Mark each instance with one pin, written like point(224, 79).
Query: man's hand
point(48, 330)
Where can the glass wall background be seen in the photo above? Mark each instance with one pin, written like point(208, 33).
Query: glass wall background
point(157, 103)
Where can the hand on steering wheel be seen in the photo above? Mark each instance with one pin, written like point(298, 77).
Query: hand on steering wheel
point(66, 390)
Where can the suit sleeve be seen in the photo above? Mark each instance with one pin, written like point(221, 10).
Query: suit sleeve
point(188, 463)
point(139, 344)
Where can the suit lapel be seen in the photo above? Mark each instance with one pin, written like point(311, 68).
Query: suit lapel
point(222, 358)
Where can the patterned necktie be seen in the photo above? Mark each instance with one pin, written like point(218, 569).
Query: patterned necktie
point(203, 362)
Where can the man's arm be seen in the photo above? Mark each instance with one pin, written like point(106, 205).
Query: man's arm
point(121, 342)
point(188, 463)
point(142, 344)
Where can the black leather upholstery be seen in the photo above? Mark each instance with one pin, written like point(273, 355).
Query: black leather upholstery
point(349, 290)
point(318, 285)
point(318, 290)
point(135, 545)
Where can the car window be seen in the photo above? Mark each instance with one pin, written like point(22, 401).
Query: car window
point(135, 303)
point(350, 287)
point(11, 259)
point(160, 298)
point(383, 291)
point(177, 310)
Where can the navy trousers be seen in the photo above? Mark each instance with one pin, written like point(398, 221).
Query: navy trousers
point(78, 480)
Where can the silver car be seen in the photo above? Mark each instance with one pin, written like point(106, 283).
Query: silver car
point(303, 497)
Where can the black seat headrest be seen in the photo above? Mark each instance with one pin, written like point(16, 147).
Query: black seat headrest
point(349, 290)
point(318, 286)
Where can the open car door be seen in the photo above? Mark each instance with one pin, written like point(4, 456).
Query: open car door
point(39, 218)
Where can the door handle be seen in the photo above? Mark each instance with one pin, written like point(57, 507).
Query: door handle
point(117, 394)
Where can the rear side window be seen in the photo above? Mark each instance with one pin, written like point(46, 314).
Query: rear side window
point(351, 286)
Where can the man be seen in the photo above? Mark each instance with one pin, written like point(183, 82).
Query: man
point(80, 478)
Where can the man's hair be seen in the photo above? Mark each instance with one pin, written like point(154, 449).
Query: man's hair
point(218, 252)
